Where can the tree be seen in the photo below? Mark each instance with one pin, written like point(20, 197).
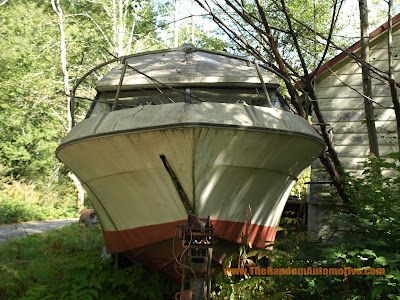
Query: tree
point(200, 37)
point(29, 112)
point(250, 26)
point(4, 2)
point(33, 184)
point(124, 26)
point(63, 58)
point(393, 89)
point(366, 78)
point(261, 28)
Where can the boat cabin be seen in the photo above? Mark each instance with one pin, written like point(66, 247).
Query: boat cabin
point(186, 75)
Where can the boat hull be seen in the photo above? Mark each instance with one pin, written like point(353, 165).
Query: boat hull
point(222, 157)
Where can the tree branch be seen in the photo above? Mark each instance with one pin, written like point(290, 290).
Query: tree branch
point(328, 41)
point(294, 37)
point(97, 25)
point(351, 54)
point(278, 58)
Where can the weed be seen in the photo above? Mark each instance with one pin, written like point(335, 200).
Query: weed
point(66, 264)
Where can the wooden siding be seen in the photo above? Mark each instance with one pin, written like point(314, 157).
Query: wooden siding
point(339, 92)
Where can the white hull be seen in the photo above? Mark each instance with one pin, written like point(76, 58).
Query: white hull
point(225, 156)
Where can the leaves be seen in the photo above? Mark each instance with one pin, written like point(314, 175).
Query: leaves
point(21, 202)
point(381, 261)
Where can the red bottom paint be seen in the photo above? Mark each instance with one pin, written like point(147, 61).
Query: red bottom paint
point(129, 239)
point(257, 234)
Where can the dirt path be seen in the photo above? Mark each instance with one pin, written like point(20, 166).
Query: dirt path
point(22, 229)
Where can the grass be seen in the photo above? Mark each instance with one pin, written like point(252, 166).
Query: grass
point(66, 264)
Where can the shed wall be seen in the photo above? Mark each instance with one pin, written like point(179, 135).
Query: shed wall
point(339, 92)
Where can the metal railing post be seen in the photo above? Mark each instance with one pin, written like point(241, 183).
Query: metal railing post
point(121, 79)
point(269, 103)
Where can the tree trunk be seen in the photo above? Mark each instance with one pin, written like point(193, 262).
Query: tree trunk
point(4, 2)
point(63, 57)
point(396, 107)
point(115, 26)
point(390, 56)
point(335, 177)
point(393, 88)
point(80, 205)
point(366, 79)
point(176, 31)
point(192, 29)
point(121, 28)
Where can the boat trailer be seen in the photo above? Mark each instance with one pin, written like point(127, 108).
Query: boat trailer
point(198, 241)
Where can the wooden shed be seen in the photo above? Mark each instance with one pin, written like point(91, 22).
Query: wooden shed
point(339, 90)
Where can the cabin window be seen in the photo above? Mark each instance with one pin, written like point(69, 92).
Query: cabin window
point(129, 99)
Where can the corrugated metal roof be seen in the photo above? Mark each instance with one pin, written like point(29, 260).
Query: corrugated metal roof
point(186, 66)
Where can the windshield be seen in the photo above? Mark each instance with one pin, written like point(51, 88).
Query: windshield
point(129, 99)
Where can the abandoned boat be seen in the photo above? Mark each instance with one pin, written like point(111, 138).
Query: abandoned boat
point(187, 131)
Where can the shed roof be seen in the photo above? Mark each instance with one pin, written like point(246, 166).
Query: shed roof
point(186, 66)
point(341, 56)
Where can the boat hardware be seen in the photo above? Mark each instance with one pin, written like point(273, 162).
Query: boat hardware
point(198, 240)
point(268, 100)
point(121, 79)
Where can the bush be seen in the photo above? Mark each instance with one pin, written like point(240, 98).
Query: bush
point(22, 202)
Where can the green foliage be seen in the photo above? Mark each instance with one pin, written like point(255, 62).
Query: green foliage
point(34, 185)
point(32, 98)
point(210, 41)
point(315, 14)
point(66, 264)
point(241, 287)
point(30, 128)
point(362, 234)
point(21, 202)
point(300, 189)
